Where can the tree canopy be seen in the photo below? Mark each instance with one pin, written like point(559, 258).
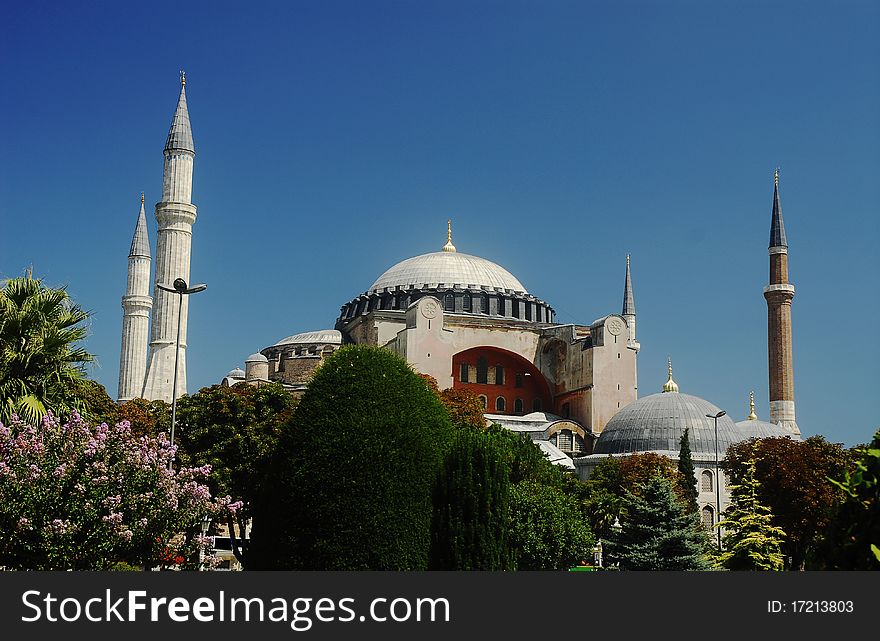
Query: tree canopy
point(41, 360)
point(355, 467)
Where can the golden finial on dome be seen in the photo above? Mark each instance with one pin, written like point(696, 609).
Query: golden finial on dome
point(142, 198)
point(752, 415)
point(449, 247)
point(182, 78)
point(670, 385)
point(776, 177)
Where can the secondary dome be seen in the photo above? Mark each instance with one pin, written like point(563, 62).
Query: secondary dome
point(761, 429)
point(450, 268)
point(321, 336)
point(655, 424)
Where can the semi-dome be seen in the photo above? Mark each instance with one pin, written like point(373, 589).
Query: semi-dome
point(321, 336)
point(450, 268)
point(656, 423)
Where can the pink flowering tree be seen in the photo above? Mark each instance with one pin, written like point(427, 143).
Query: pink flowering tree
point(78, 497)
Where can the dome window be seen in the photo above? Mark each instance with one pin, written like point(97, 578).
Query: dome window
point(449, 303)
point(484, 303)
point(466, 302)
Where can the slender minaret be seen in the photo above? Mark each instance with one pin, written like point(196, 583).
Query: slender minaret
point(629, 309)
point(175, 216)
point(136, 306)
point(779, 294)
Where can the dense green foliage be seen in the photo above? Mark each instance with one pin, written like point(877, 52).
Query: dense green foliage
point(657, 532)
point(547, 530)
point(687, 479)
point(751, 541)
point(471, 505)
point(41, 362)
point(853, 540)
point(355, 468)
point(794, 482)
point(234, 430)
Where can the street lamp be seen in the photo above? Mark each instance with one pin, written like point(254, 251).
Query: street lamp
point(717, 477)
point(180, 288)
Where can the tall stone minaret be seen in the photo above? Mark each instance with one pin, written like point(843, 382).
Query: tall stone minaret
point(175, 216)
point(136, 305)
point(779, 294)
point(629, 309)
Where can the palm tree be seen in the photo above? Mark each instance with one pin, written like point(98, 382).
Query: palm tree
point(41, 363)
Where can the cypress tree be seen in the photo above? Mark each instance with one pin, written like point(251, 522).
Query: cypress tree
point(657, 532)
point(471, 506)
point(350, 486)
point(751, 541)
point(687, 477)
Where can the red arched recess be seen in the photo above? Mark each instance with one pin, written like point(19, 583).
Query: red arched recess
point(516, 369)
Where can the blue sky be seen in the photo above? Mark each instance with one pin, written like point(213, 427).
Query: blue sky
point(335, 138)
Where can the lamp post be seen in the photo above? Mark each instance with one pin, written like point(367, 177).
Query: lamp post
point(717, 476)
point(180, 288)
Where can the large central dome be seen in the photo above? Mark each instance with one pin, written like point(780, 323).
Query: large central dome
point(450, 268)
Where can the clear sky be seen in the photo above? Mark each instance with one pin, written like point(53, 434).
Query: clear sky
point(334, 139)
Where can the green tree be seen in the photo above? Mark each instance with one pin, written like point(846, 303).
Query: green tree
point(547, 531)
point(41, 361)
point(97, 405)
point(147, 418)
point(234, 430)
point(352, 481)
point(751, 541)
point(471, 505)
point(657, 532)
point(853, 541)
point(794, 482)
point(687, 478)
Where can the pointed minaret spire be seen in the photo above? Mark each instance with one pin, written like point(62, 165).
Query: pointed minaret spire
point(752, 416)
point(779, 293)
point(136, 307)
point(629, 308)
point(449, 247)
point(140, 242)
point(777, 228)
point(180, 135)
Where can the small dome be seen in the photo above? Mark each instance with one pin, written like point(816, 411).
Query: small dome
point(236, 373)
point(321, 336)
point(656, 423)
point(761, 429)
point(257, 358)
point(450, 268)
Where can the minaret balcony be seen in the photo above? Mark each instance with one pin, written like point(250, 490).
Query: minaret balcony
point(779, 287)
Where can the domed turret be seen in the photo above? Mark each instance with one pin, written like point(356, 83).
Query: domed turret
point(256, 368)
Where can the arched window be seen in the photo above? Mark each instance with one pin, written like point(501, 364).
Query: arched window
point(482, 370)
point(564, 440)
point(500, 404)
point(707, 516)
point(515, 309)
point(706, 481)
point(536, 405)
point(484, 303)
point(484, 401)
point(500, 306)
point(518, 406)
point(466, 302)
point(528, 311)
point(499, 375)
point(449, 303)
